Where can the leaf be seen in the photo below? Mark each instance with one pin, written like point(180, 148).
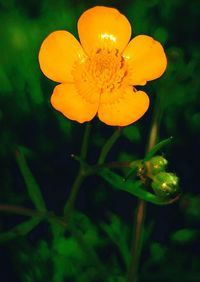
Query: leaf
point(132, 133)
point(135, 188)
point(117, 231)
point(157, 251)
point(19, 230)
point(157, 147)
point(184, 236)
point(31, 184)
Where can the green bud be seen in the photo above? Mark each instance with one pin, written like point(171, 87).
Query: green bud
point(165, 184)
point(156, 165)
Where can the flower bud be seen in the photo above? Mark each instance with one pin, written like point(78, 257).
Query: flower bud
point(156, 165)
point(165, 184)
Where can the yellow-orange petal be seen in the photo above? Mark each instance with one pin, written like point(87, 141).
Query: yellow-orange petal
point(71, 104)
point(146, 59)
point(128, 108)
point(58, 53)
point(103, 27)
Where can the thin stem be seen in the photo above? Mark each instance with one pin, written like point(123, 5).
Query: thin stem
point(137, 243)
point(84, 146)
point(74, 191)
point(141, 205)
point(108, 145)
point(20, 210)
point(115, 165)
point(81, 175)
point(155, 125)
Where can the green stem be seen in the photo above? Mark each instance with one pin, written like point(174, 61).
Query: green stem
point(141, 205)
point(74, 191)
point(108, 145)
point(81, 175)
point(84, 146)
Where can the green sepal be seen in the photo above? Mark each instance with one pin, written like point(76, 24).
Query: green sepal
point(136, 166)
point(33, 188)
point(19, 230)
point(157, 147)
point(135, 188)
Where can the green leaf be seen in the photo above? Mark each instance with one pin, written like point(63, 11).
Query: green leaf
point(157, 147)
point(20, 230)
point(183, 236)
point(132, 133)
point(31, 184)
point(157, 251)
point(135, 188)
point(117, 231)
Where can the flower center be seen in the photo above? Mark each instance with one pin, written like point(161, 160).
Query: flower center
point(107, 69)
point(103, 72)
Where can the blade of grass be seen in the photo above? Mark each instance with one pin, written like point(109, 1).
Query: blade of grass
point(32, 186)
point(19, 230)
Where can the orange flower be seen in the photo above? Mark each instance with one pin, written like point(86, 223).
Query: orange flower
point(98, 75)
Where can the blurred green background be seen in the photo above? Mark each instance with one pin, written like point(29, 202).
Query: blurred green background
point(171, 244)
